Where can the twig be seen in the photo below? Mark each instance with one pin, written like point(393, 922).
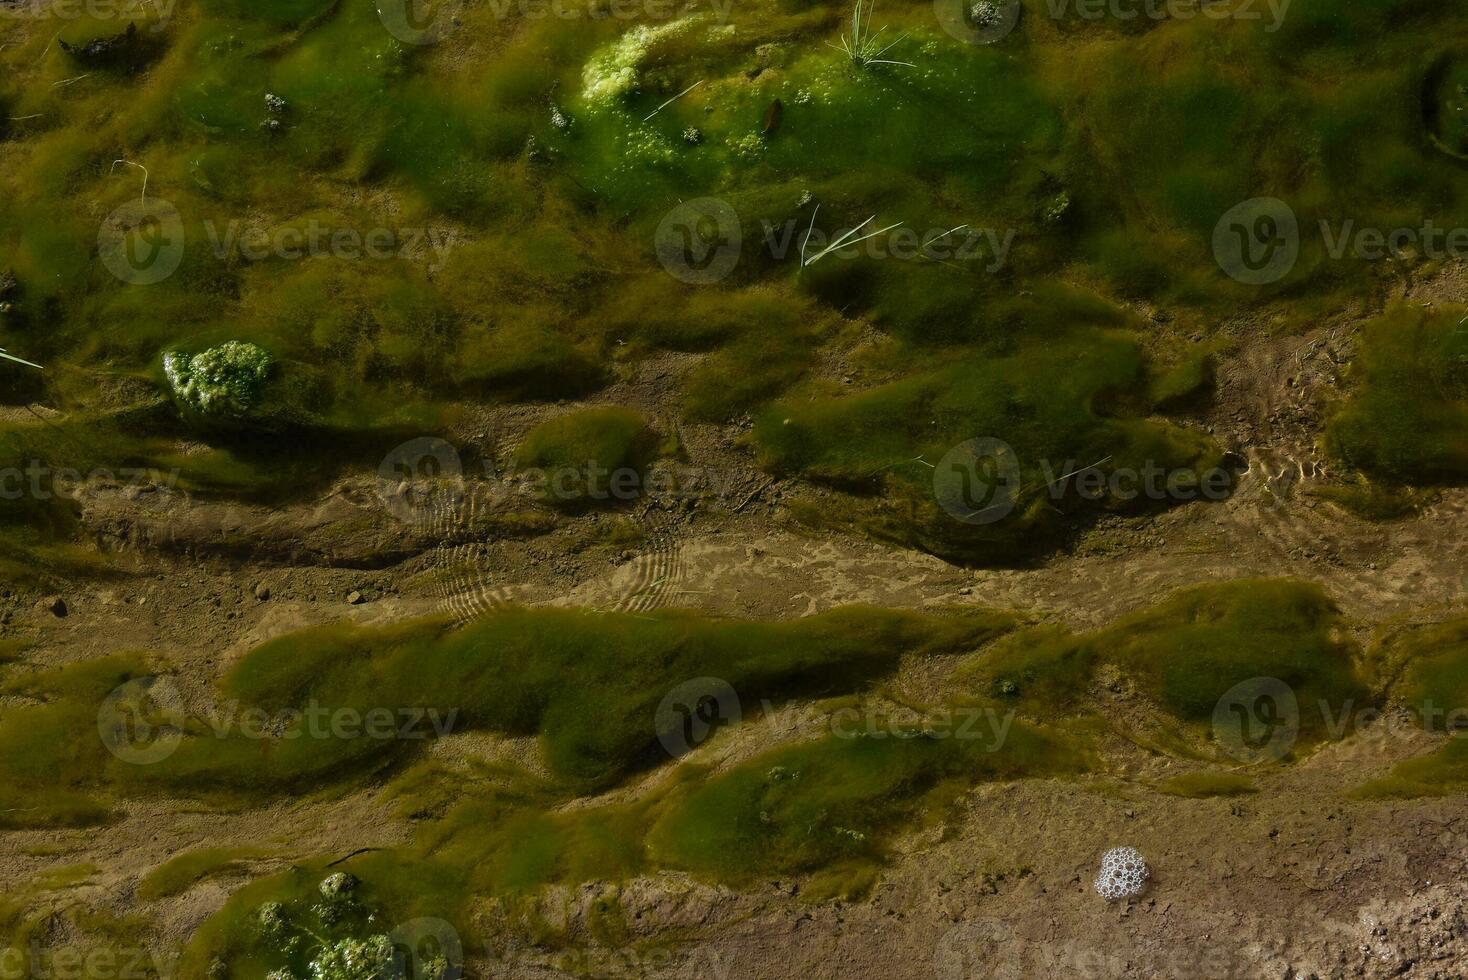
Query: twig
point(1019, 491)
point(48, 47)
point(360, 850)
point(12, 357)
point(140, 167)
point(750, 499)
point(69, 81)
point(673, 99)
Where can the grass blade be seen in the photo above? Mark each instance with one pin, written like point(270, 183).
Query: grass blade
point(12, 357)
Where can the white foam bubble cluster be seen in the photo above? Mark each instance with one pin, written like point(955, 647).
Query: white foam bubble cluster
point(985, 13)
point(1123, 873)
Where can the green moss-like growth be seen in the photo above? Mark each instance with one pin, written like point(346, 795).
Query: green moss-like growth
point(834, 801)
point(322, 924)
point(831, 806)
point(51, 758)
point(941, 118)
point(588, 684)
point(545, 159)
point(1042, 401)
point(744, 374)
point(1430, 666)
point(281, 12)
point(53, 740)
point(1194, 647)
point(527, 362)
point(1434, 669)
point(1440, 773)
point(11, 648)
point(1406, 420)
point(580, 450)
point(98, 729)
point(182, 871)
point(1374, 501)
point(1446, 103)
point(1184, 381)
point(1041, 671)
point(530, 847)
point(1187, 653)
point(543, 164)
point(225, 381)
point(37, 807)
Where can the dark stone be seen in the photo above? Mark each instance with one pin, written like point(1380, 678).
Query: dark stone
point(128, 51)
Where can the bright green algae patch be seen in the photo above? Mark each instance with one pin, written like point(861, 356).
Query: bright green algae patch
point(224, 380)
point(942, 121)
point(183, 871)
point(316, 921)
